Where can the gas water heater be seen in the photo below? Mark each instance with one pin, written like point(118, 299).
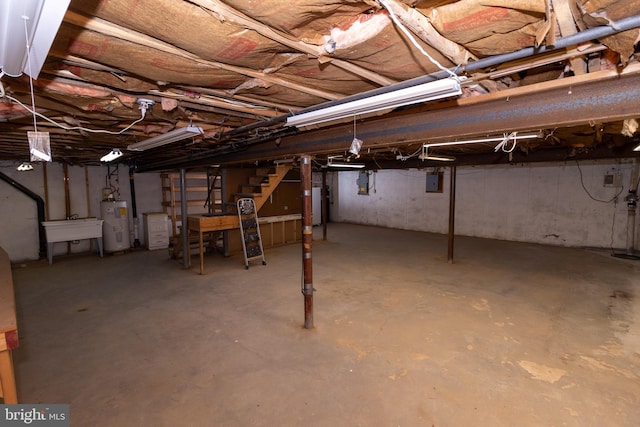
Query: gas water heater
point(115, 228)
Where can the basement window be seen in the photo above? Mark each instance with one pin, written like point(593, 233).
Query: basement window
point(434, 182)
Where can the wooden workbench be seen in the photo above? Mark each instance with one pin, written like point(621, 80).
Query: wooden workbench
point(8, 331)
point(202, 224)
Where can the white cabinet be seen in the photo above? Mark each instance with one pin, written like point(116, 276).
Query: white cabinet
point(156, 231)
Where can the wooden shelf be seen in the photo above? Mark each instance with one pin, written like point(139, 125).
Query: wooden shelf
point(197, 193)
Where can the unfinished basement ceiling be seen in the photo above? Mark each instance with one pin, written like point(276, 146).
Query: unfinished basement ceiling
point(237, 68)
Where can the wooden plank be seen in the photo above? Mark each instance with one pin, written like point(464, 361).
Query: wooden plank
point(7, 301)
point(8, 331)
point(233, 15)
point(112, 30)
point(567, 27)
point(7, 378)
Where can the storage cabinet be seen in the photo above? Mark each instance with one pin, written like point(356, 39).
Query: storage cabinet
point(156, 231)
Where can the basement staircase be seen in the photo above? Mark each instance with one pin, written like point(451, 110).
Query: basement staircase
point(262, 184)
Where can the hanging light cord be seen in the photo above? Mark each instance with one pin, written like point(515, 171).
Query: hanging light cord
point(404, 29)
point(32, 109)
point(33, 99)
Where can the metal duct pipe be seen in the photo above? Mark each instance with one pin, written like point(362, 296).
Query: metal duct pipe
point(632, 202)
point(42, 237)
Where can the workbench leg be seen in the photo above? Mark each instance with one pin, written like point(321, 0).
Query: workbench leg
point(50, 252)
point(99, 240)
point(201, 243)
point(186, 248)
point(7, 378)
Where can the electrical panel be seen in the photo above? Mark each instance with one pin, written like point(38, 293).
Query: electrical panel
point(613, 179)
point(363, 183)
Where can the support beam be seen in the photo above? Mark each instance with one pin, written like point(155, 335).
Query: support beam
point(595, 97)
point(307, 240)
point(452, 213)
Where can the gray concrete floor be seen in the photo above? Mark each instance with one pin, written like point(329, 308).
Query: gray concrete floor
point(510, 334)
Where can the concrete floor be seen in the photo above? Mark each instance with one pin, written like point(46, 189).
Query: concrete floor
point(511, 334)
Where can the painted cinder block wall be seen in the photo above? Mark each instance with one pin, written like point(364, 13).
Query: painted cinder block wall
point(18, 214)
point(539, 203)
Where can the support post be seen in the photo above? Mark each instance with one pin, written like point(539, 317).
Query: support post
point(67, 198)
point(184, 230)
point(632, 203)
point(452, 213)
point(134, 209)
point(323, 205)
point(307, 240)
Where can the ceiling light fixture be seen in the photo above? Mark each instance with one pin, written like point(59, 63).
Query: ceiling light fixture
point(411, 95)
point(25, 166)
point(167, 138)
point(109, 157)
point(40, 19)
point(637, 148)
point(438, 157)
point(480, 140)
point(331, 162)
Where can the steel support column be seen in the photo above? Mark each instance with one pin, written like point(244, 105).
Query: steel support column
point(184, 230)
point(452, 213)
point(323, 205)
point(307, 240)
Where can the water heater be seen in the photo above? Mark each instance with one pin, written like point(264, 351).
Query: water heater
point(115, 228)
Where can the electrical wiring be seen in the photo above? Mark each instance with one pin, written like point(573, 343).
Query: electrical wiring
point(409, 156)
point(33, 100)
point(614, 198)
point(61, 126)
point(407, 33)
point(503, 144)
point(613, 226)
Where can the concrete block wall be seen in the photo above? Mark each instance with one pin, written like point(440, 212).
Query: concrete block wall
point(539, 203)
point(18, 214)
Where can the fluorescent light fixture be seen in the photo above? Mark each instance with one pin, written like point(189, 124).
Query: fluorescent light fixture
point(480, 140)
point(439, 158)
point(331, 162)
point(32, 23)
point(109, 157)
point(637, 148)
point(167, 138)
point(411, 95)
point(426, 156)
point(25, 166)
point(346, 165)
